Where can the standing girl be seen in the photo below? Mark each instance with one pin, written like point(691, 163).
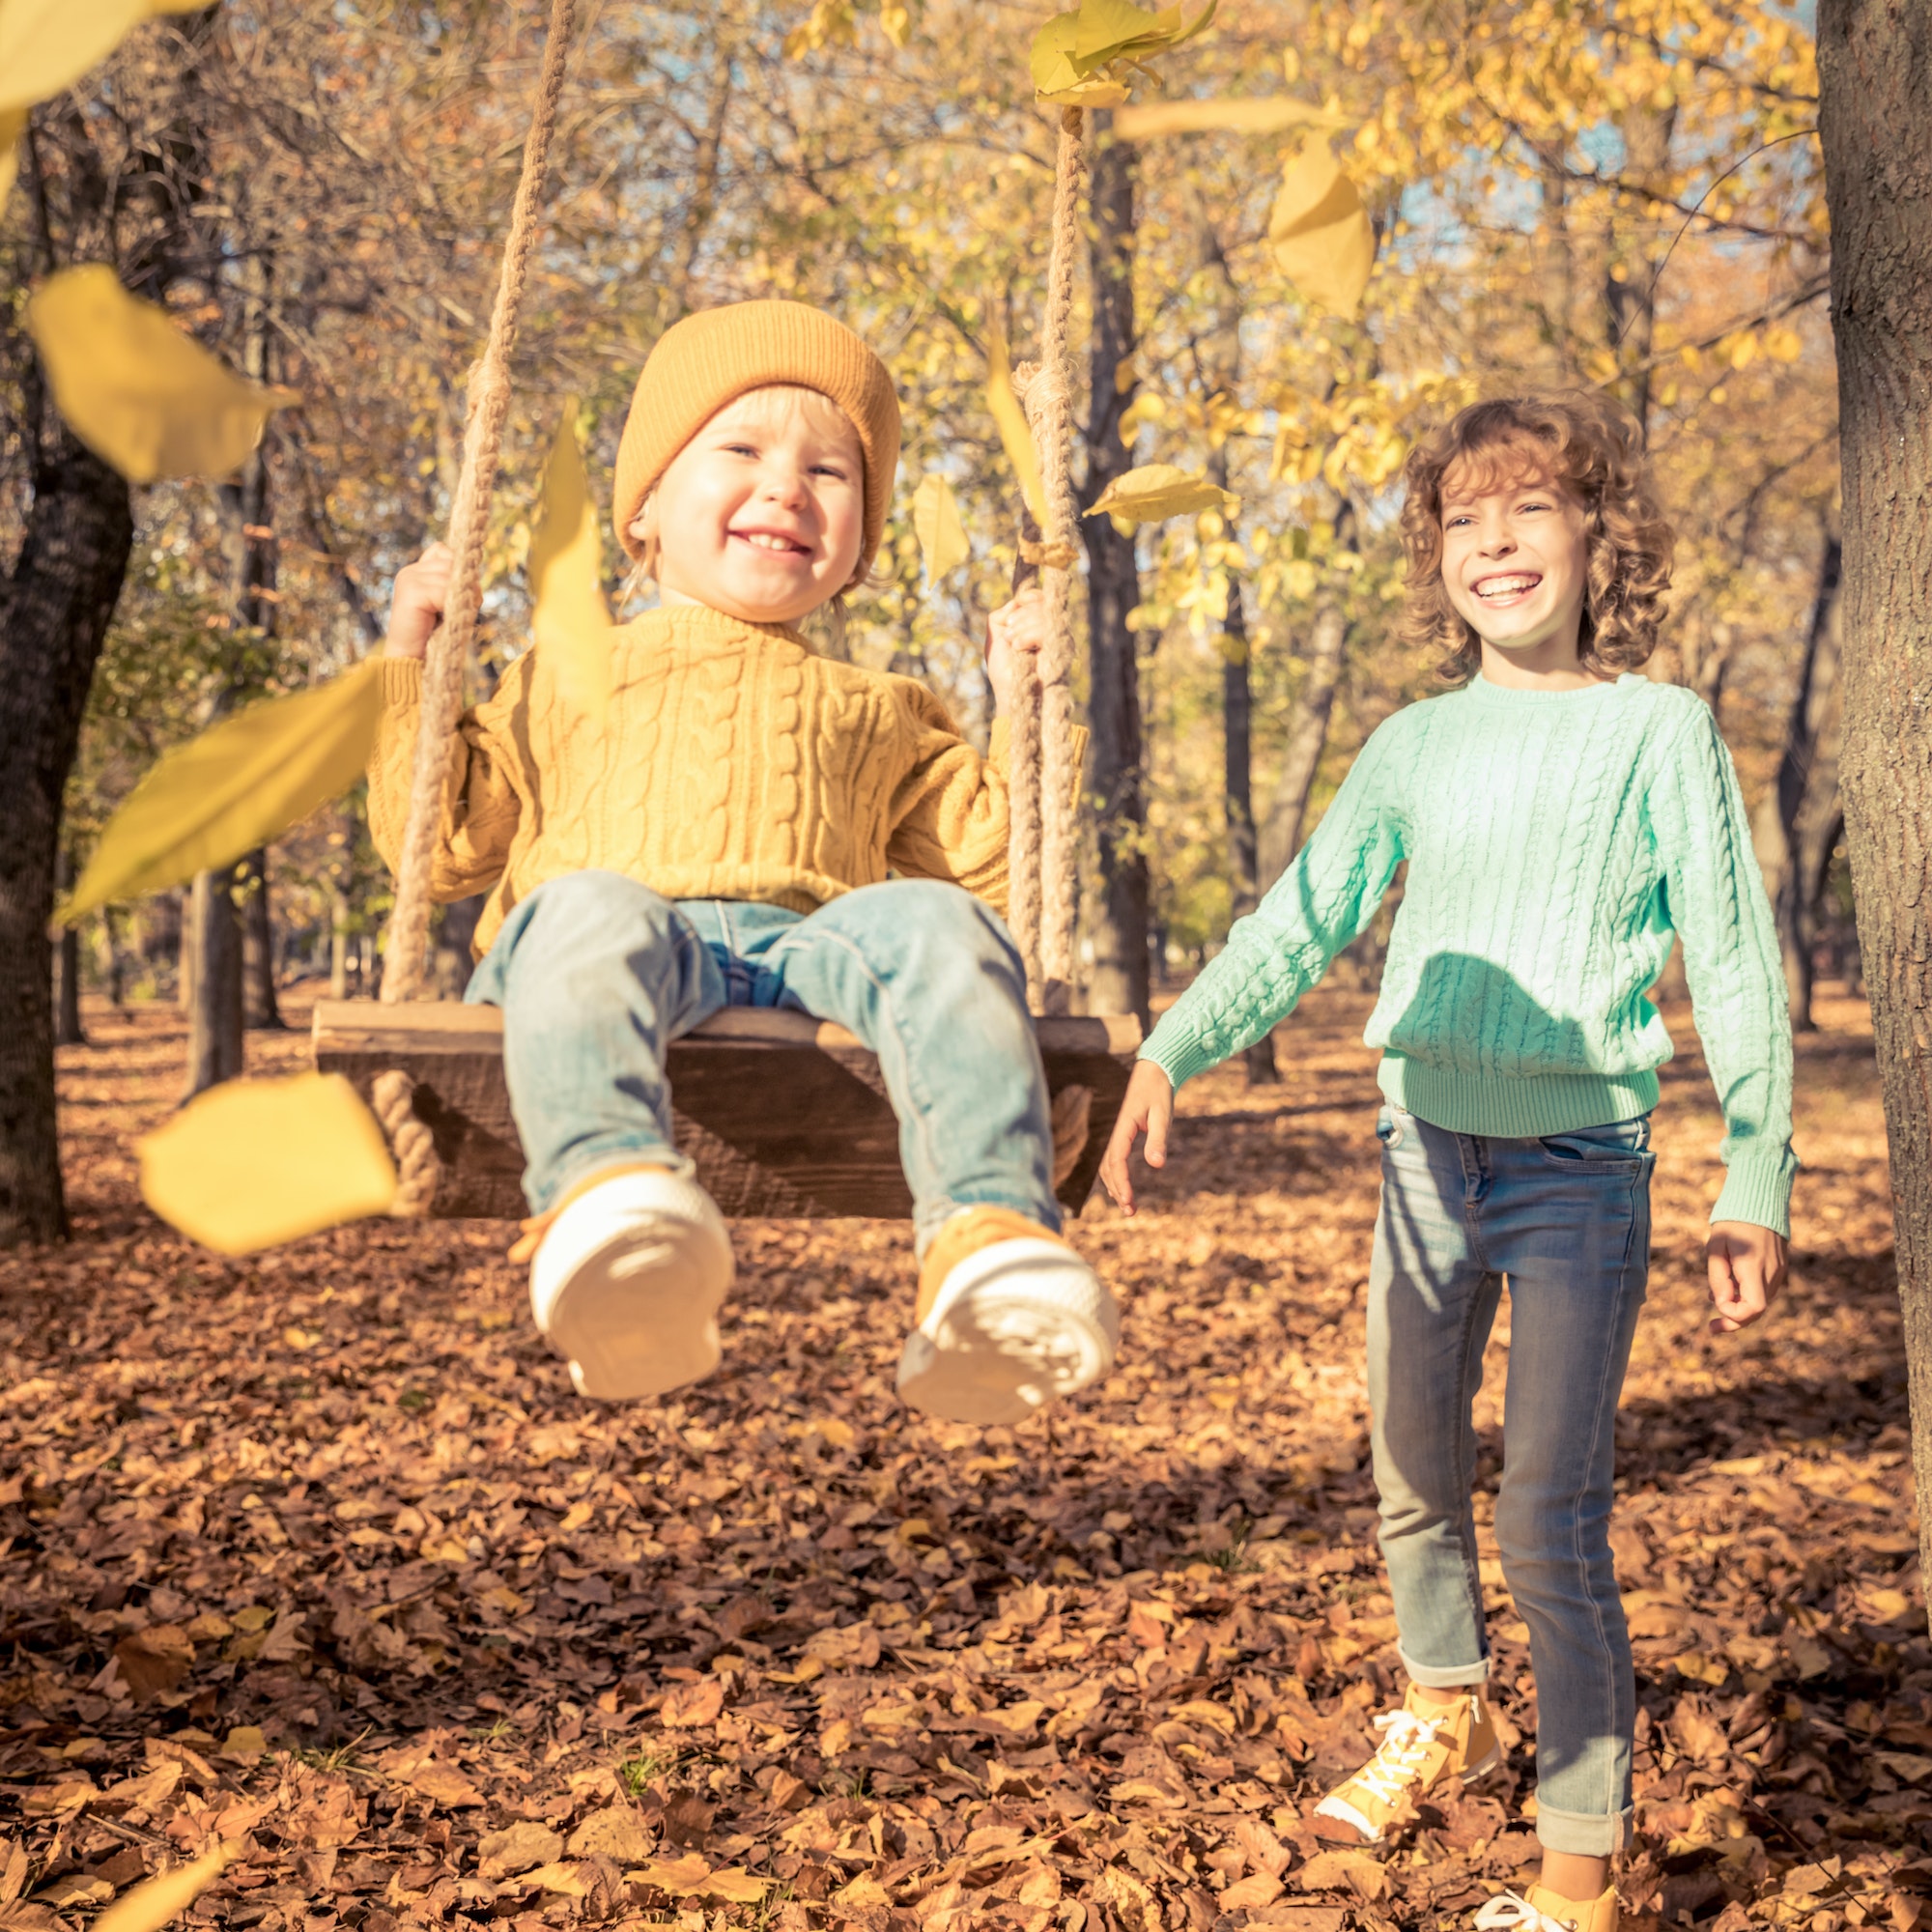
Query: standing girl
point(1562, 818)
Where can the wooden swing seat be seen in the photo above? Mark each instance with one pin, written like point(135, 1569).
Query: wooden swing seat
point(784, 1114)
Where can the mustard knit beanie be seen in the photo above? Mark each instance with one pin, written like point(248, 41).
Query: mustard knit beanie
point(708, 359)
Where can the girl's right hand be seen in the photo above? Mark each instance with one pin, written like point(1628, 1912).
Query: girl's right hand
point(1148, 1108)
point(422, 593)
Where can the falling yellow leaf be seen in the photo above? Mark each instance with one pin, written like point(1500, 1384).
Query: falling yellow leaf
point(1156, 491)
point(13, 125)
point(254, 1162)
point(48, 45)
point(1073, 55)
point(1013, 429)
point(935, 522)
point(137, 391)
point(149, 1906)
point(569, 617)
point(1148, 122)
point(241, 785)
point(1319, 231)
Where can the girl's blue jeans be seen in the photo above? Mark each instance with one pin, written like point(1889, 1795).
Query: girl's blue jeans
point(1567, 1219)
point(597, 974)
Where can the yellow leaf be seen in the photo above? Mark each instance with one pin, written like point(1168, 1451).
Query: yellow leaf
point(254, 1162)
point(1743, 349)
point(1013, 429)
point(149, 1906)
point(1319, 231)
point(48, 45)
point(13, 125)
point(137, 391)
point(1784, 344)
point(935, 522)
point(561, 1878)
point(676, 1876)
point(734, 1886)
point(1159, 490)
point(896, 18)
point(569, 617)
point(1148, 122)
point(245, 1744)
point(242, 783)
point(1071, 50)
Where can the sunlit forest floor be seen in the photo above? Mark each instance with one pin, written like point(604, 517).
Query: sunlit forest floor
point(318, 1553)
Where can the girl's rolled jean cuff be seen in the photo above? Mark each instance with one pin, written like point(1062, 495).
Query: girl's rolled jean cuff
point(1444, 1676)
point(1581, 1835)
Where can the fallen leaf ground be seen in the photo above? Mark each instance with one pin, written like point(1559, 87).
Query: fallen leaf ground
point(318, 1553)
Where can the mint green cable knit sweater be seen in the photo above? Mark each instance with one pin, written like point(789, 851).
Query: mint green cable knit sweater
point(1555, 841)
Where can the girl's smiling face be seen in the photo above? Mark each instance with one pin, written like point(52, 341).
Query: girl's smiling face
point(761, 514)
point(1516, 556)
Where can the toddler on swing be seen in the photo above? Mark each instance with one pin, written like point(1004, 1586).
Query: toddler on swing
point(1563, 818)
point(721, 836)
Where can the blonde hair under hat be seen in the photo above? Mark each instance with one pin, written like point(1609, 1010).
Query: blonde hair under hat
point(714, 357)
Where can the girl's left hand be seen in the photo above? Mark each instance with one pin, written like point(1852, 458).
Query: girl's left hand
point(1015, 627)
point(1747, 1265)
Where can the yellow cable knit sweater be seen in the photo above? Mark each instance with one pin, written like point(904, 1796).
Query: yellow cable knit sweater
point(732, 764)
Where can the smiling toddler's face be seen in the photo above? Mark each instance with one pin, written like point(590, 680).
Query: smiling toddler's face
point(761, 514)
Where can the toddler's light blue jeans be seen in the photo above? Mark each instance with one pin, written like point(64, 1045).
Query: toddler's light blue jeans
point(597, 974)
point(1567, 1219)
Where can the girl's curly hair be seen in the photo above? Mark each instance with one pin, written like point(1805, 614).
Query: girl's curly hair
point(1594, 448)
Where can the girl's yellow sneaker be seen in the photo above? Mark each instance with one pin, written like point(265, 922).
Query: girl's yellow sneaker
point(1541, 1910)
point(1421, 1746)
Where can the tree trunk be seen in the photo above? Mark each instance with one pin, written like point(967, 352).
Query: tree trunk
point(1237, 788)
point(113, 957)
point(55, 611)
point(260, 1010)
point(67, 966)
point(1308, 732)
point(1119, 979)
point(215, 1017)
point(1875, 75)
point(338, 945)
point(1804, 797)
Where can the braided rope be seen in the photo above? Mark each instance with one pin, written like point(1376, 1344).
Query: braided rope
point(1023, 762)
point(419, 1167)
point(405, 964)
point(1057, 776)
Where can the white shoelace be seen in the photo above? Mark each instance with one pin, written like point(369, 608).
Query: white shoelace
point(1400, 1756)
point(1507, 1913)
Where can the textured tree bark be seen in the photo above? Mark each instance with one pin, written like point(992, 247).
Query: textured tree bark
point(261, 1012)
point(1308, 732)
point(1119, 983)
point(1804, 800)
point(67, 966)
point(1875, 77)
point(214, 932)
point(54, 610)
point(1237, 720)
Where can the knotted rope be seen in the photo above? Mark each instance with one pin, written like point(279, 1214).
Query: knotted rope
point(1042, 852)
point(405, 963)
point(419, 1167)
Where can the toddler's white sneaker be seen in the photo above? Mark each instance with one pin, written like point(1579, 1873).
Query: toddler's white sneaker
point(1010, 1318)
point(627, 1281)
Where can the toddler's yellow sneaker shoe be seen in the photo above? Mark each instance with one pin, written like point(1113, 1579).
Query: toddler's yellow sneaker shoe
point(1009, 1318)
point(1541, 1910)
point(1419, 1749)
